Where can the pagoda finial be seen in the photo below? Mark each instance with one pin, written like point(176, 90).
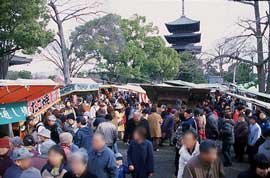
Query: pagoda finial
point(183, 7)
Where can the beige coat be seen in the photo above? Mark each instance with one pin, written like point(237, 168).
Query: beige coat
point(155, 122)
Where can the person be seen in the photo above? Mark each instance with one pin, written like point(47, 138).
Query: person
point(30, 144)
point(70, 125)
point(200, 122)
point(241, 134)
point(53, 126)
point(44, 137)
point(132, 124)
point(84, 135)
point(39, 161)
point(264, 123)
point(155, 121)
point(21, 158)
point(101, 161)
point(188, 122)
point(261, 170)
point(140, 155)
point(78, 163)
point(121, 167)
point(253, 136)
point(167, 127)
point(211, 127)
point(34, 126)
point(206, 164)
point(120, 117)
point(93, 110)
point(265, 147)
point(69, 109)
point(189, 149)
point(109, 131)
point(5, 160)
point(66, 142)
point(227, 137)
point(56, 166)
point(31, 173)
point(101, 113)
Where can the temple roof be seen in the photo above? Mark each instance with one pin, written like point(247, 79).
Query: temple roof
point(183, 20)
point(18, 60)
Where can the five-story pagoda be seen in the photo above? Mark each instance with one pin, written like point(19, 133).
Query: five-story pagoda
point(184, 34)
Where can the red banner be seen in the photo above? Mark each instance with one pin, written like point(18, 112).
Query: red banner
point(44, 102)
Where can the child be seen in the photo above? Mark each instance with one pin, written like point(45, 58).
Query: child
point(140, 155)
point(122, 168)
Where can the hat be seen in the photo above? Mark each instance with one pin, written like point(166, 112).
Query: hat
point(44, 148)
point(45, 133)
point(118, 156)
point(173, 111)
point(101, 112)
point(16, 141)
point(52, 118)
point(189, 111)
point(198, 112)
point(119, 106)
point(29, 140)
point(4, 142)
point(31, 172)
point(66, 138)
point(20, 153)
point(254, 117)
point(81, 119)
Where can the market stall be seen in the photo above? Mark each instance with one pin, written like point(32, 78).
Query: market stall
point(20, 98)
point(80, 86)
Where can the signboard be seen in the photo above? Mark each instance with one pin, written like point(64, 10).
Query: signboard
point(79, 88)
point(44, 102)
point(13, 112)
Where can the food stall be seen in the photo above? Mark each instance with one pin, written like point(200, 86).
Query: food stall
point(20, 98)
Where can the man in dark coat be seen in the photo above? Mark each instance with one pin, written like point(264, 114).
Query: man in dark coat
point(83, 136)
point(132, 124)
point(140, 155)
point(54, 127)
point(167, 127)
point(211, 127)
point(241, 134)
point(227, 136)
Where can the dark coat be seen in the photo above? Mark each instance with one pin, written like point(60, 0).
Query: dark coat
point(167, 126)
point(241, 132)
point(250, 174)
point(56, 130)
point(85, 175)
point(141, 157)
point(211, 127)
point(227, 131)
point(188, 124)
point(83, 137)
point(13, 172)
point(131, 126)
point(5, 162)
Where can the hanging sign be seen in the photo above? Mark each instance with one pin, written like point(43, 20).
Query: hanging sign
point(44, 102)
point(13, 112)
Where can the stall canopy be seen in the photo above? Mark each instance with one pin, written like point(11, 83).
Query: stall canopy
point(12, 91)
point(80, 85)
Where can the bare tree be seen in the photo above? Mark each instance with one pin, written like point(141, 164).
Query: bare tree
point(61, 12)
point(239, 45)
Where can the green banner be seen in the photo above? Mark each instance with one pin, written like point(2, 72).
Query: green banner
point(13, 112)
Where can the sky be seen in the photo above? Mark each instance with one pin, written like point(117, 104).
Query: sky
point(218, 19)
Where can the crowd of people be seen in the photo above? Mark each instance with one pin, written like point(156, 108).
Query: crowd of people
point(80, 140)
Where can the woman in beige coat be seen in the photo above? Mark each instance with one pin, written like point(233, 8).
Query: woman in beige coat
point(155, 121)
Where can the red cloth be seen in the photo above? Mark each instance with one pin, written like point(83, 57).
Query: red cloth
point(236, 115)
point(4, 142)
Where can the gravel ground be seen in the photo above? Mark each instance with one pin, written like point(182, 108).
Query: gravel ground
point(164, 163)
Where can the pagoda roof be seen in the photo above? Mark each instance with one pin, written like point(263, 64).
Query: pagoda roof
point(189, 47)
point(183, 20)
point(18, 60)
point(183, 38)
